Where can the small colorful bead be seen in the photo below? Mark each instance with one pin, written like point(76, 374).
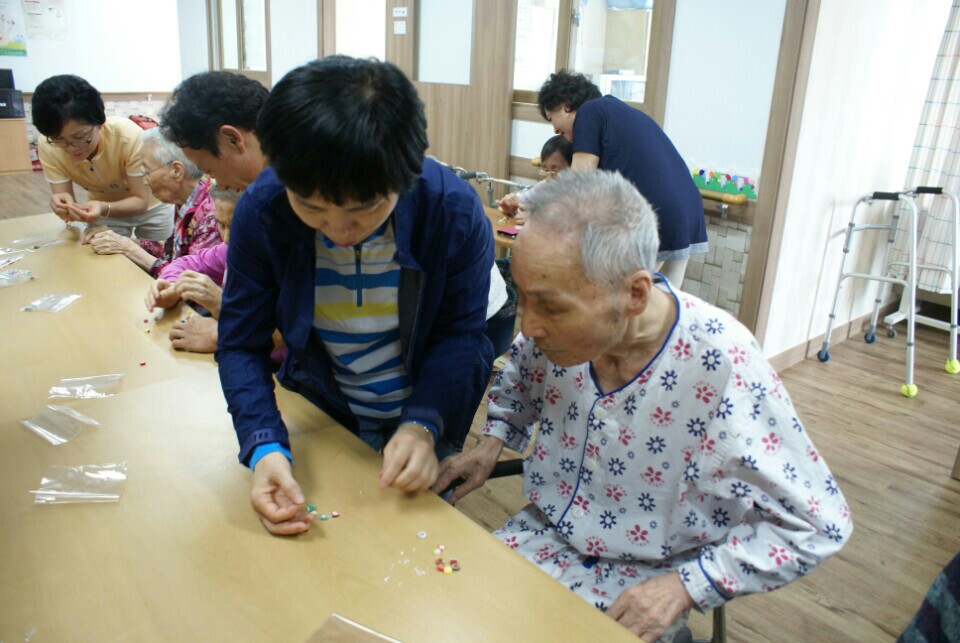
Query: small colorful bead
point(335, 514)
point(324, 517)
point(448, 569)
point(421, 535)
point(311, 507)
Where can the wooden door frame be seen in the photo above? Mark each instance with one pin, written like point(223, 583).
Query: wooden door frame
point(779, 156)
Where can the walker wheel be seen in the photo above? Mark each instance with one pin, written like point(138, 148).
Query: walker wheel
point(869, 337)
point(908, 390)
point(823, 356)
point(953, 366)
point(891, 332)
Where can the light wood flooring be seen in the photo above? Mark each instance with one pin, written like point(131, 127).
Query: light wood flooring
point(891, 456)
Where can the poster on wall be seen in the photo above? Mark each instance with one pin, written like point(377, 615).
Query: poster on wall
point(13, 34)
point(46, 19)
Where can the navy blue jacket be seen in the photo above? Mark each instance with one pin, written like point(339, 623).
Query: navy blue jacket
point(444, 249)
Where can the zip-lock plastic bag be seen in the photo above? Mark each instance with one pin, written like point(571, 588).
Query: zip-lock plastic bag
point(6, 261)
point(15, 276)
point(84, 483)
point(51, 303)
point(86, 387)
point(37, 241)
point(58, 424)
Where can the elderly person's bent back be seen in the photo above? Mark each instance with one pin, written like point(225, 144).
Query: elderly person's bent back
point(172, 179)
point(670, 469)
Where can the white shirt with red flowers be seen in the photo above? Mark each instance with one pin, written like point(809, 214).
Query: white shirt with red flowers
point(699, 464)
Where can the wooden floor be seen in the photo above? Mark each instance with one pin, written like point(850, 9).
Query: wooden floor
point(891, 456)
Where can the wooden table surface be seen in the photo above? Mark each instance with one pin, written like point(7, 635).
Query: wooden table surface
point(499, 220)
point(182, 556)
point(101, 333)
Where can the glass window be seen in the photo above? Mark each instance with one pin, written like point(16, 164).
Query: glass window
point(228, 32)
point(536, 46)
point(254, 35)
point(610, 44)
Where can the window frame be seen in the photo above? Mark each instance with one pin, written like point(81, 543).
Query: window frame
point(216, 39)
point(658, 62)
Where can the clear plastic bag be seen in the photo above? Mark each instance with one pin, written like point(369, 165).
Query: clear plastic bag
point(15, 276)
point(58, 424)
point(51, 303)
point(86, 387)
point(6, 261)
point(37, 241)
point(84, 483)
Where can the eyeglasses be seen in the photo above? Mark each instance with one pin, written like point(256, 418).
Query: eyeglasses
point(147, 171)
point(76, 141)
point(543, 172)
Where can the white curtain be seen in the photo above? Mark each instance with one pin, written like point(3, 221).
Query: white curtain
point(936, 162)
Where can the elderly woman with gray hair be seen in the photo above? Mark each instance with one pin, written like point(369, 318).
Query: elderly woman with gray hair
point(172, 179)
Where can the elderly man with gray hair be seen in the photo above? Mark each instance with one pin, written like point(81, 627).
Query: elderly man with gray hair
point(666, 466)
point(173, 179)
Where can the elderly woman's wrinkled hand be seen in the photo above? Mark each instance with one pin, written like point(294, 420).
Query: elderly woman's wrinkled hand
point(200, 288)
point(108, 242)
point(162, 294)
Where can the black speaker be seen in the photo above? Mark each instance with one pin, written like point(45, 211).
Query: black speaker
point(11, 103)
point(6, 79)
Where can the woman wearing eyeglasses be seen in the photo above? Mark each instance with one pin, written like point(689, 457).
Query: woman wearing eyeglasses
point(102, 155)
point(555, 156)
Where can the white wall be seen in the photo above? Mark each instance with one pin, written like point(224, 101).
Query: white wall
point(117, 45)
point(293, 35)
point(871, 65)
point(722, 67)
point(192, 22)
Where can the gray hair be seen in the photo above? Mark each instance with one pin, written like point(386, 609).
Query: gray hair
point(165, 152)
point(615, 226)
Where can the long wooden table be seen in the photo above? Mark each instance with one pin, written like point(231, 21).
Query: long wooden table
point(103, 332)
point(182, 556)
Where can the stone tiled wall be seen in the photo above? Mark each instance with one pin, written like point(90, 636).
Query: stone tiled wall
point(112, 108)
point(717, 276)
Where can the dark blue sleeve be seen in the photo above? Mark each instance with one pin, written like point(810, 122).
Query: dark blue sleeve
point(588, 128)
point(245, 330)
point(458, 356)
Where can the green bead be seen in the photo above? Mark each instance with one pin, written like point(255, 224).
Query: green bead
point(311, 507)
point(324, 517)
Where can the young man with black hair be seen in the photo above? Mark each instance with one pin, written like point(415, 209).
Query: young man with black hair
point(609, 134)
point(373, 262)
point(102, 155)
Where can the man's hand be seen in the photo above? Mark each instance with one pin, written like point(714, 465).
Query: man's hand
point(276, 496)
point(162, 293)
point(200, 288)
point(108, 242)
point(60, 204)
point(195, 334)
point(474, 467)
point(89, 212)
point(409, 463)
point(649, 608)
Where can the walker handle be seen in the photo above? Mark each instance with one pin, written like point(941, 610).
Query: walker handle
point(928, 190)
point(886, 196)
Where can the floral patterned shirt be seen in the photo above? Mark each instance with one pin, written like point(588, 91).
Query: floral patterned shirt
point(700, 463)
point(194, 228)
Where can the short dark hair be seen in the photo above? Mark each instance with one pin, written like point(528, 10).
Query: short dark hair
point(560, 144)
point(565, 89)
point(64, 98)
point(203, 103)
point(345, 128)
